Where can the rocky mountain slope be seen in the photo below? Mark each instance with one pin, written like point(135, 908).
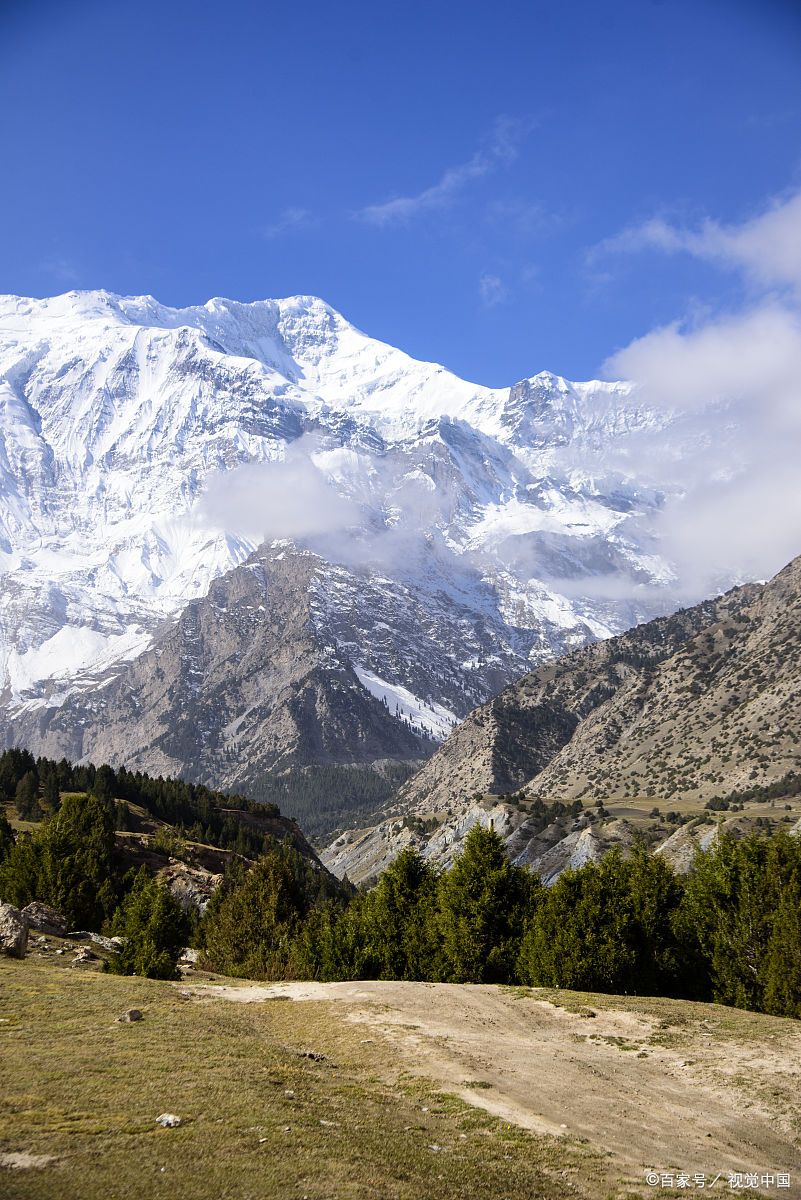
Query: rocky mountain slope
point(462, 534)
point(682, 709)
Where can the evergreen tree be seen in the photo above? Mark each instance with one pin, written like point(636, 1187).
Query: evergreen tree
point(14, 763)
point(727, 910)
point(67, 862)
point(782, 968)
point(742, 908)
point(26, 797)
point(480, 910)
point(155, 929)
point(607, 927)
point(252, 929)
point(51, 798)
point(401, 936)
point(6, 837)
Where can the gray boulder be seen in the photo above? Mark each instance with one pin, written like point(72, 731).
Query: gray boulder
point(13, 931)
point(132, 1014)
point(45, 919)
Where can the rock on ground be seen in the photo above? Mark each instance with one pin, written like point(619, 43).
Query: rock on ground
point(13, 931)
point(45, 919)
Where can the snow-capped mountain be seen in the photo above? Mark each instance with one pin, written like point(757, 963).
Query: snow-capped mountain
point(147, 451)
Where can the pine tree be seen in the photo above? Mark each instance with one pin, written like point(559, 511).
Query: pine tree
point(251, 929)
point(399, 920)
point(67, 862)
point(26, 797)
point(51, 797)
point(480, 911)
point(607, 927)
point(155, 929)
point(6, 837)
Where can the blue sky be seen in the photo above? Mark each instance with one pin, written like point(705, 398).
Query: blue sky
point(466, 181)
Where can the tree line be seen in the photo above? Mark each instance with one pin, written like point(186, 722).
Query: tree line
point(729, 931)
point(197, 812)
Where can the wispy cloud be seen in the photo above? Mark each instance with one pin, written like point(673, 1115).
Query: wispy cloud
point(493, 290)
point(500, 150)
point(290, 220)
point(767, 247)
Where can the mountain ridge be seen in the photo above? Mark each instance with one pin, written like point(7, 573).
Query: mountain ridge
point(689, 707)
point(147, 452)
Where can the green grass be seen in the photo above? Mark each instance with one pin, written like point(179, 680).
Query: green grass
point(259, 1119)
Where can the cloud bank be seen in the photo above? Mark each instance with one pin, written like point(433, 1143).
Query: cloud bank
point(268, 501)
point(767, 248)
point(740, 509)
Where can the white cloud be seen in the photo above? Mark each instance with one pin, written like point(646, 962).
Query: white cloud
point(735, 383)
point(290, 498)
point(501, 149)
point(767, 247)
point(492, 290)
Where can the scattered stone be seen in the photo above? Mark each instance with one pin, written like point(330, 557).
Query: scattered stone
point(290, 1095)
point(189, 955)
point(329, 1123)
point(84, 954)
point(113, 944)
point(168, 1121)
point(13, 931)
point(312, 1054)
point(60, 950)
point(132, 1014)
point(21, 1160)
point(45, 919)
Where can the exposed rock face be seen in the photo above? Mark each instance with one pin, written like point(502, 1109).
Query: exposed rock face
point(192, 887)
point(702, 703)
point(242, 677)
point(247, 682)
point(13, 931)
point(45, 919)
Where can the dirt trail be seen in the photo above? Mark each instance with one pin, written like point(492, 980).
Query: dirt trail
point(707, 1101)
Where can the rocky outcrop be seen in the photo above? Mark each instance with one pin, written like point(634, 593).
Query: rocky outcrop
point(192, 887)
point(13, 931)
point(45, 919)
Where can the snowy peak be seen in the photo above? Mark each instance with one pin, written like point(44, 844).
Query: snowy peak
point(145, 451)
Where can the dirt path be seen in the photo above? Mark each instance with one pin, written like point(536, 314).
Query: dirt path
point(650, 1087)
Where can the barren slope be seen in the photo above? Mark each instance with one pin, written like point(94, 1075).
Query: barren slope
point(651, 1085)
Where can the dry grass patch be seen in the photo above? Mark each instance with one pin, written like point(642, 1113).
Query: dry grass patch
point(259, 1117)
